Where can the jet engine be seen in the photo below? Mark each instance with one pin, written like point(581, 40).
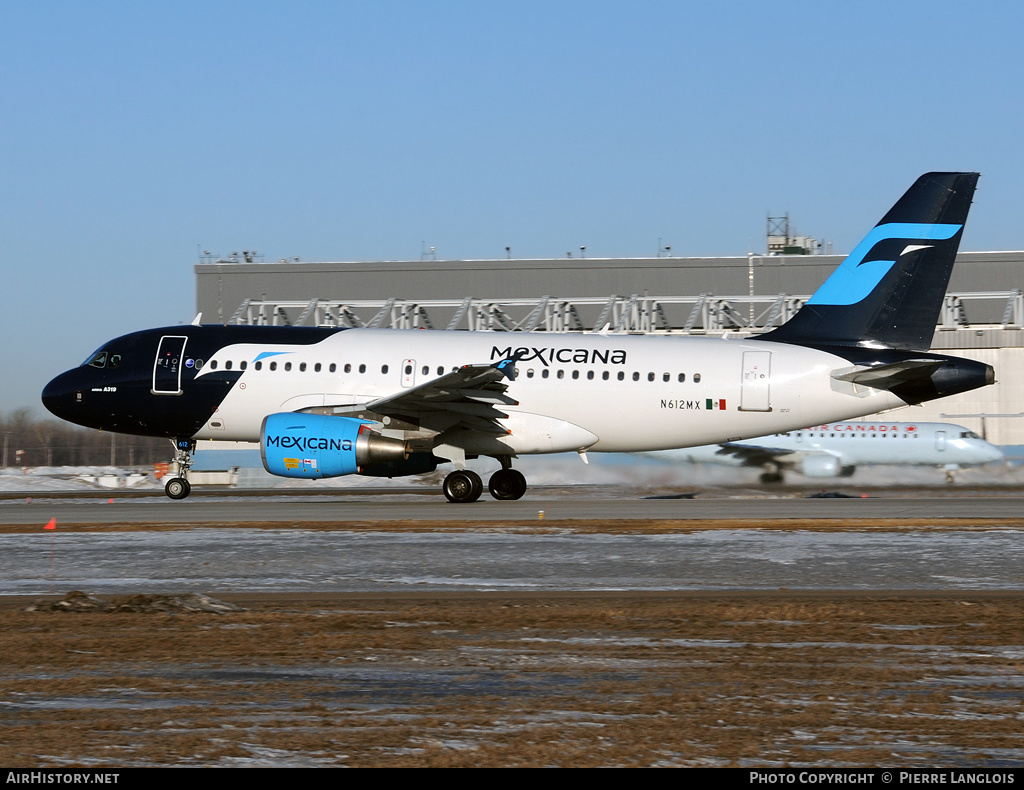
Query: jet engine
point(820, 466)
point(317, 445)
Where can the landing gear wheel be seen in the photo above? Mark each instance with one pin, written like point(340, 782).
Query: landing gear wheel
point(463, 485)
point(770, 478)
point(507, 484)
point(177, 488)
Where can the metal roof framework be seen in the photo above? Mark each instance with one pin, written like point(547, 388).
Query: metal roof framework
point(637, 314)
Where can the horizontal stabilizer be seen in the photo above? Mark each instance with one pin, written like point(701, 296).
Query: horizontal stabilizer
point(887, 376)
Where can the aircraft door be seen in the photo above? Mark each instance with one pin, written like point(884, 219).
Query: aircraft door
point(167, 367)
point(940, 440)
point(408, 373)
point(754, 392)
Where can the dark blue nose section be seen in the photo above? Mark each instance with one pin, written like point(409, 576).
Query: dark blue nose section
point(63, 394)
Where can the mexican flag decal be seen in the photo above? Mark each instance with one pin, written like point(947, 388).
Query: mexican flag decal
point(715, 404)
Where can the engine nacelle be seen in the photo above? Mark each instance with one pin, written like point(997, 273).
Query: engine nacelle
point(820, 466)
point(415, 464)
point(318, 445)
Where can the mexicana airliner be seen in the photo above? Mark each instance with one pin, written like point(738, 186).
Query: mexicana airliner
point(330, 401)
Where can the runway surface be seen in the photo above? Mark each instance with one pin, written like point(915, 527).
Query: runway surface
point(572, 503)
point(605, 541)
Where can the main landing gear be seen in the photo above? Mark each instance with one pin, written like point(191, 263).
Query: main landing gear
point(465, 485)
point(178, 486)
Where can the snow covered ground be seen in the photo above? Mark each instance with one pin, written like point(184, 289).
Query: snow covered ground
point(294, 560)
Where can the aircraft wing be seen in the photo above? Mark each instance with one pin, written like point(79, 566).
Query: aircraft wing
point(468, 397)
point(757, 455)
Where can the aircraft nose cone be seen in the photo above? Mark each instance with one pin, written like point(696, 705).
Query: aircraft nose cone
point(58, 396)
point(994, 454)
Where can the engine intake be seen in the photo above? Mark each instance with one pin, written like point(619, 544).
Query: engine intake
point(313, 446)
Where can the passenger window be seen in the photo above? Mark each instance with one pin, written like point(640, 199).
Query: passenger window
point(426, 370)
point(316, 367)
point(561, 374)
point(243, 364)
point(682, 377)
point(383, 368)
point(696, 378)
point(408, 370)
point(622, 375)
point(348, 367)
point(302, 367)
point(273, 365)
point(665, 377)
point(650, 377)
point(544, 373)
point(332, 368)
point(575, 374)
point(258, 365)
point(590, 374)
point(605, 375)
point(228, 364)
point(529, 373)
point(636, 376)
point(362, 368)
point(440, 370)
point(213, 365)
point(287, 365)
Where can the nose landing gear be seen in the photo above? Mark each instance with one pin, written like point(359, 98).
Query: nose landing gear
point(178, 486)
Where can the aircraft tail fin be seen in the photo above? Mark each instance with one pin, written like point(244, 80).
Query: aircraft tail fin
point(889, 290)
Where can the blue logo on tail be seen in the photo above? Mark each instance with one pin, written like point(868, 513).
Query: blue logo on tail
point(872, 259)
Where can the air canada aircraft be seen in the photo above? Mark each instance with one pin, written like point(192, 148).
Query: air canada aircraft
point(330, 401)
point(837, 449)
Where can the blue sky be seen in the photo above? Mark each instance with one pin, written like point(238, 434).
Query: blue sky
point(133, 132)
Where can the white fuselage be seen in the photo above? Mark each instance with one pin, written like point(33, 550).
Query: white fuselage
point(602, 393)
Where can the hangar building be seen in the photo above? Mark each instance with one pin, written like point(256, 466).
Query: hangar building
point(982, 318)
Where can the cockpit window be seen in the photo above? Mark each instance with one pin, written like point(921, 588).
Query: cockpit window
point(969, 435)
point(114, 361)
point(99, 360)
